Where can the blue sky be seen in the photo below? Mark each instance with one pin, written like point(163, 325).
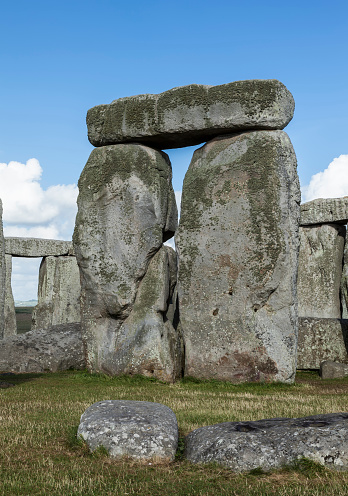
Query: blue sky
point(58, 59)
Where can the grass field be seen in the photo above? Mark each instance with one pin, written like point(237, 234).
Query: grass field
point(23, 318)
point(40, 455)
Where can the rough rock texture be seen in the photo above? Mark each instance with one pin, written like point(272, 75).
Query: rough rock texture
point(192, 114)
point(320, 270)
point(321, 339)
point(10, 313)
point(37, 247)
point(325, 211)
point(344, 282)
point(138, 429)
point(53, 349)
point(238, 249)
point(126, 209)
point(272, 443)
point(333, 370)
point(59, 293)
point(2, 277)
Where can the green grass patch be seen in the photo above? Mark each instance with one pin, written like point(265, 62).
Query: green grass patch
point(41, 455)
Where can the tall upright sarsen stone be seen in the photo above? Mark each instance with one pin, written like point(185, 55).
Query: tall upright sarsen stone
point(126, 210)
point(2, 277)
point(238, 252)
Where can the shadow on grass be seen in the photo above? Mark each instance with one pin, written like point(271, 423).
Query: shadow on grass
point(16, 379)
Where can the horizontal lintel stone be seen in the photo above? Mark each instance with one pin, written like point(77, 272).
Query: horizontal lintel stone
point(37, 247)
point(325, 211)
point(193, 114)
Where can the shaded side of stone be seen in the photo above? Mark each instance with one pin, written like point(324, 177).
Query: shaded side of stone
point(238, 251)
point(272, 443)
point(138, 429)
point(320, 270)
point(344, 282)
point(59, 293)
point(333, 370)
point(126, 209)
point(325, 211)
point(54, 349)
point(37, 247)
point(321, 339)
point(10, 313)
point(191, 114)
point(2, 277)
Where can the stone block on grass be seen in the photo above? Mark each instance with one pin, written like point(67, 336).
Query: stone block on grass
point(137, 429)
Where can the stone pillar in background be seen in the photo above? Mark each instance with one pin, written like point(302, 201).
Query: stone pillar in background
point(126, 210)
point(320, 270)
point(238, 253)
point(58, 293)
point(344, 282)
point(2, 277)
point(10, 313)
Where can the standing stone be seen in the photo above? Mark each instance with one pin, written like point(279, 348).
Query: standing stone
point(321, 339)
point(320, 269)
point(10, 313)
point(58, 293)
point(126, 210)
point(344, 282)
point(191, 114)
point(238, 250)
point(2, 277)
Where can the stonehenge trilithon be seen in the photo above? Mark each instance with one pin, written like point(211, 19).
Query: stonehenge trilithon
point(238, 251)
point(237, 242)
point(58, 293)
point(126, 209)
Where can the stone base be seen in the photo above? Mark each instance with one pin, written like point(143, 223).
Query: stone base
point(321, 339)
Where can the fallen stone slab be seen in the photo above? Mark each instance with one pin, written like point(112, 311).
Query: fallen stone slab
point(272, 443)
point(46, 350)
point(321, 339)
point(137, 429)
point(333, 370)
point(320, 270)
point(37, 247)
point(325, 211)
point(191, 114)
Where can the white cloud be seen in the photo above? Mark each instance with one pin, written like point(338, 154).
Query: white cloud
point(178, 200)
point(330, 183)
point(31, 211)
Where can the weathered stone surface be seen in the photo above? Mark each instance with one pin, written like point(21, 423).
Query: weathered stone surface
point(192, 114)
point(10, 328)
point(344, 281)
point(272, 443)
point(325, 211)
point(320, 270)
point(333, 370)
point(138, 429)
point(321, 339)
point(37, 247)
point(126, 209)
point(238, 248)
point(59, 293)
point(2, 277)
point(53, 349)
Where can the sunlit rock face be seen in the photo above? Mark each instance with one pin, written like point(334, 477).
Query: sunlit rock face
point(58, 293)
point(320, 270)
point(238, 247)
point(191, 114)
point(126, 210)
point(2, 277)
